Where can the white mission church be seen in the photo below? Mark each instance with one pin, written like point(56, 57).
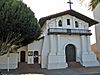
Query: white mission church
point(65, 38)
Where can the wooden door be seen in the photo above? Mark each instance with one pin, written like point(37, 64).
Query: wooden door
point(70, 53)
point(22, 56)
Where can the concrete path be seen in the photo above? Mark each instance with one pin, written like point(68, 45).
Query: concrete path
point(67, 71)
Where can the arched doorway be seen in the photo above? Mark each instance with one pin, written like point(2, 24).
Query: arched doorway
point(22, 56)
point(70, 52)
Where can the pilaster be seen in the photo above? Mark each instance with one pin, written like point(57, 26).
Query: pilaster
point(88, 58)
point(55, 58)
point(89, 45)
point(84, 44)
point(52, 45)
point(59, 51)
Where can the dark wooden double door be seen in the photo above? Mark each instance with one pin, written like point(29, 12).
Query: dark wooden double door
point(22, 56)
point(70, 53)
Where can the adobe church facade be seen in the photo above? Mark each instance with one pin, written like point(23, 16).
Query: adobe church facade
point(65, 38)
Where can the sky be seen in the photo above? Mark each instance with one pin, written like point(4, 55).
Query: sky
point(43, 8)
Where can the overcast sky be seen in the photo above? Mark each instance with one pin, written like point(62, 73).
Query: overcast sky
point(43, 8)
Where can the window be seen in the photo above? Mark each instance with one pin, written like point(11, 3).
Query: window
point(35, 53)
point(76, 24)
point(68, 21)
point(36, 58)
point(60, 23)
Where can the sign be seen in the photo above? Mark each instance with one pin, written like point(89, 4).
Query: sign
point(30, 53)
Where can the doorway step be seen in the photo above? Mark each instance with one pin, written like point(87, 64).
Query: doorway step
point(74, 65)
point(25, 66)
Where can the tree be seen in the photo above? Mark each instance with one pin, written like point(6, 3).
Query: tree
point(93, 3)
point(18, 25)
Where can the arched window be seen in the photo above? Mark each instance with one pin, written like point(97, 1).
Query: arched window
point(36, 58)
point(60, 23)
point(76, 24)
point(35, 53)
point(68, 21)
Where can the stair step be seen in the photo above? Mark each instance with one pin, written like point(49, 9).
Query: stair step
point(74, 65)
point(24, 66)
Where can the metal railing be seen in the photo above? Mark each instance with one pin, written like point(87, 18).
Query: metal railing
point(69, 31)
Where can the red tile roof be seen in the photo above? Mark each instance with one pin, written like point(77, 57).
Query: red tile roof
point(70, 12)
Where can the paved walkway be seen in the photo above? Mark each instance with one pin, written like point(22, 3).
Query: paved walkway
point(67, 71)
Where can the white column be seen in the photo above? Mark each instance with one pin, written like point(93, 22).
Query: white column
point(30, 58)
point(84, 44)
point(89, 45)
point(87, 59)
point(59, 49)
point(55, 59)
point(58, 39)
point(52, 45)
point(58, 44)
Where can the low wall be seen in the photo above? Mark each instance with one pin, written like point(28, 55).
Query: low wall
point(13, 61)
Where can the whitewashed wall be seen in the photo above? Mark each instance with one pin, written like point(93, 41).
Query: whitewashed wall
point(13, 60)
point(52, 47)
point(64, 40)
point(35, 46)
point(53, 23)
point(45, 52)
point(71, 39)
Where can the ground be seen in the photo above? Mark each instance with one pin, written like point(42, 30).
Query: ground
point(66, 71)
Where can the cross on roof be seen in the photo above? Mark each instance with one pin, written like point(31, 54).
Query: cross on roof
point(70, 3)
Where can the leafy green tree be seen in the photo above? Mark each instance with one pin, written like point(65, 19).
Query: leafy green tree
point(93, 3)
point(18, 25)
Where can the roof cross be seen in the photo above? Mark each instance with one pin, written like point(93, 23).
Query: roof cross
point(70, 3)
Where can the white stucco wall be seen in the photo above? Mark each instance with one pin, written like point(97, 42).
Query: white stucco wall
point(13, 61)
point(35, 46)
point(52, 47)
point(45, 51)
point(53, 23)
point(71, 39)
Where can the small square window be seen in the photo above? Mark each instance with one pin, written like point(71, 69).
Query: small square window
point(68, 21)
